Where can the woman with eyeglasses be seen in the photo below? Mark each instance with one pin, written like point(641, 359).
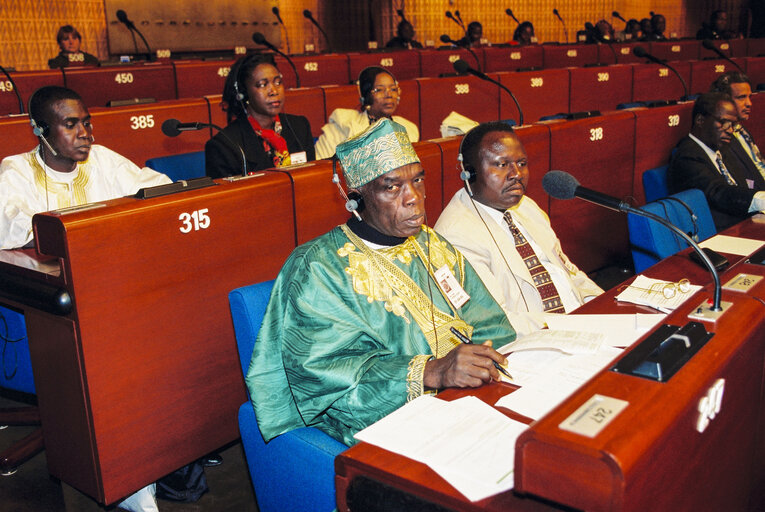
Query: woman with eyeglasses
point(380, 95)
point(253, 98)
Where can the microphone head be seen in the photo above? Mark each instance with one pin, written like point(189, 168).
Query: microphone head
point(170, 128)
point(460, 66)
point(122, 16)
point(449, 14)
point(457, 13)
point(639, 51)
point(307, 14)
point(509, 12)
point(445, 39)
point(560, 185)
point(555, 12)
point(708, 44)
point(615, 14)
point(260, 39)
point(400, 12)
point(275, 10)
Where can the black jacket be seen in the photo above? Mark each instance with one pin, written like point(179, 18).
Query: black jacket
point(690, 167)
point(223, 159)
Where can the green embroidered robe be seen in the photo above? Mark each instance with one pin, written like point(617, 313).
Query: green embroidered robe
point(336, 346)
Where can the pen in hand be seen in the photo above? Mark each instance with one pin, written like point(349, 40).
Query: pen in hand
point(464, 339)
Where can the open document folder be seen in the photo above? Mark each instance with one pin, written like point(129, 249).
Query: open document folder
point(467, 442)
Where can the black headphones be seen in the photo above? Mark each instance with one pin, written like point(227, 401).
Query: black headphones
point(354, 203)
point(39, 128)
point(467, 171)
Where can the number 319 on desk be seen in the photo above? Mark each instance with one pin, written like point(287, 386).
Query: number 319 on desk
point(194, 221)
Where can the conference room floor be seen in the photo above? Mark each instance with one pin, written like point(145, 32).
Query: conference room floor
point(31, 489)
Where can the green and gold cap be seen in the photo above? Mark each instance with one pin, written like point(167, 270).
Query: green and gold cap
point(381, 148)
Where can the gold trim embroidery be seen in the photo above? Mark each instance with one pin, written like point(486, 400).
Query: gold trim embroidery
point(59, 189)
point(414, 376)
point(375, 275)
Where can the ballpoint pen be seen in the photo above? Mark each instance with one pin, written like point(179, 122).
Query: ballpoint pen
point(464, 339)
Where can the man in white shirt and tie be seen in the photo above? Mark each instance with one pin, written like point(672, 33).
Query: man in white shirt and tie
point(506, 236)
point(704, 160)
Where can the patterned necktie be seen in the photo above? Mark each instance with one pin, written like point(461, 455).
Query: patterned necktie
point(550, 299)
point(754, 151)
point(724, 170)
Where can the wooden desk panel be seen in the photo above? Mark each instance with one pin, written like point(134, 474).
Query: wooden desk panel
point(540, 93)
point(194, 79)
point(143, 377)
point(27, 83)
point(704, 72)
point(569, 55)
point(731, 48)
point(674, 50)
point(755, 70)
point(16, 136)
point(315, 70)
point(512, 58)
point(435, 63)
point(404, 64)
point(98, 86)
point(600, 88)
point(623, 53)
point(308, 102)
point(597, 151)
point(651, 82)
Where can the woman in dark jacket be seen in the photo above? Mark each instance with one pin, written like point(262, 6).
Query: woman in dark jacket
point(253, 98)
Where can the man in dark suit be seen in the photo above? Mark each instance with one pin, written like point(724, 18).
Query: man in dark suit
point(704, 160)
point(742, 146)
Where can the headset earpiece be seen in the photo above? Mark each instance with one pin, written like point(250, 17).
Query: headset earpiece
point(355, 202)
point(40, 130)
point(239, 95)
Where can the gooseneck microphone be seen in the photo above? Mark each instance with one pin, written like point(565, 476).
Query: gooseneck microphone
point(455, 20)
point(640, 52)
point(173, 128)
point(260, 39)
point(307, 14)
point(565, 30)
point(561, 185)
point(446, 39)
point(709, 45)
point(275, 10)
point(618, 16)
point(509, 12)
point(460, 66)
point(15, 89)
point(457, 15)
point(123, 18)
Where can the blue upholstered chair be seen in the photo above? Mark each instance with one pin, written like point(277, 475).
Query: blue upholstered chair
point(295, 471)
point(651, 242)
point(184, 166)
point(655, 184)
point(17, 376)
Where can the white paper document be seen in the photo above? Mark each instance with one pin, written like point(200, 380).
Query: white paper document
point(567, 341)
point(732, 244)
point(617, 330)
point(651, 292)
point(467, 442)
point(555, 382)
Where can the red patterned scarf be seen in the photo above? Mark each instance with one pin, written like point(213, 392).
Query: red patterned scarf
point(273, 143)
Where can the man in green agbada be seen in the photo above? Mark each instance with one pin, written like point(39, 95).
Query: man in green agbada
point(358, 323)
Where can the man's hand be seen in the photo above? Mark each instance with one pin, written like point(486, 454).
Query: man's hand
point(465, 366)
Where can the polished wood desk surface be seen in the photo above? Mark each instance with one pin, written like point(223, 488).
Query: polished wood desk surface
point(650, 457)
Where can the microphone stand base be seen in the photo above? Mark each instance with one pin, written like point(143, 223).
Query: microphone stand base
point(704, 311)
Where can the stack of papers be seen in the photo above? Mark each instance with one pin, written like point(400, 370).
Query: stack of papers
point(645, 291)
point(467, 442)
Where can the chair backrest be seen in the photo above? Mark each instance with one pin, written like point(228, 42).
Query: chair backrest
point(295, 470)
point(180, 167)
point(248, 305)
point(16, 362)
point(651, 242)
point(655, 184)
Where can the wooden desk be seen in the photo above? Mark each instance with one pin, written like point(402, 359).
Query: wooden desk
point(142, 376)
point(650, 457)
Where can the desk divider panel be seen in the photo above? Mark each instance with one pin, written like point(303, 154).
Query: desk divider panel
point(674, 50)
point(195, 79)
point(651, 82)
point(135, 132)
point(512, 58)
point(216, 112)
point(16, 136)
point(623, 52)
point(404, 64)
point(308, 102)
point(315, 70)
point(731, 48)
point(540, 93)
point(466, 95)
point(439, 62)
point(569, 55)
point(159, 376)
point(432, 163)
point(27, 83)
point(704, 72)
point(598, 151)
point(98, 86)
point(657, 132)
point(600, 88)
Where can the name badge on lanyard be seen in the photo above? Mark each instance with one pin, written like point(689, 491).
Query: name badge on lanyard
point(451, 288)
